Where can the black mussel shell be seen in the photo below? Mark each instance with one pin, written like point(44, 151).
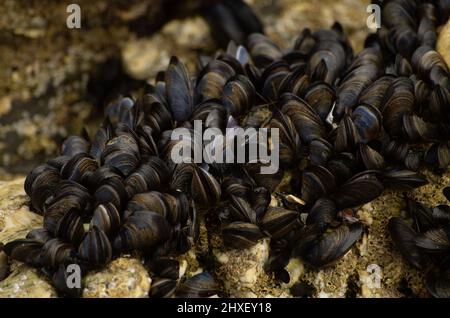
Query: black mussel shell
point(70, 227)
point(302, 289)
point(403, 179)
point(241, 210)
point(332, 245)
point(163, 287)
point(279, 221)
point(107, 218)
point(25, 250)
point(404, 239)
point(56, 252)
point(142, 230)
point(360, 189)
point(4, 264)
point(322, 213)
point(241, 235)
point(198, 286)
point(95, 247)
point(438, 285)
point(164, 267)
point(434, 240)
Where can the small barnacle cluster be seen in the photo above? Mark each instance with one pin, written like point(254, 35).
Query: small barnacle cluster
point(350, 126)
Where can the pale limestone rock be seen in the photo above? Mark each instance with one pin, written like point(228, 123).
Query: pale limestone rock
point(123, 277)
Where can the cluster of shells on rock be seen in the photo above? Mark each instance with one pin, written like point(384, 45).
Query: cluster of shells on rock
point(350, 127)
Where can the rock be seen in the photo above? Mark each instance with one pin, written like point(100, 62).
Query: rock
point(26, 282)
point(123, 277)
point(443, 43)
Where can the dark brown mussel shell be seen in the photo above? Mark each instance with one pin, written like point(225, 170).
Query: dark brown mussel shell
point(438, 156)
point(368, 122)
point(277, 222)
point(79, 168)
point(199, 286)
point(56, 252)
point(4, 264)
point(68, 196)
point(70, 227)
point(332, 244)
point(316, 181)
point(151, 175)
point(238, 95)
point(95, 247)
point(121, 152)
point(142, 230)
point(107, 218)
point(74, 145)
point(403, 179)
point(40, 184)
point(370, 158)
point(164, 267)
point(399, 100)
point(25, 250)
point(241, 235)
point(241, 210)
point(179, 90)
point(307, 122)
point(404, 239)
point(322, 213)
point(163, 287)
point(438, 284)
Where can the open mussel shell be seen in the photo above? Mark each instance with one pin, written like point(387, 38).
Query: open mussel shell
point(65, 283)
point(403, 237)
point(332, 244)
point(199, 286)
point(279, 221)
point(438, 284)
point(95, 247)
point(25, 250)
point(241, 235)
point(163, 287)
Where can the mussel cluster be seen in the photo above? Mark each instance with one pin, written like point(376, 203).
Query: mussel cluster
point(350, 126)
point(424, 241)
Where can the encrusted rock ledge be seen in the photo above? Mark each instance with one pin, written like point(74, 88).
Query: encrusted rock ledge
point(242, 272)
